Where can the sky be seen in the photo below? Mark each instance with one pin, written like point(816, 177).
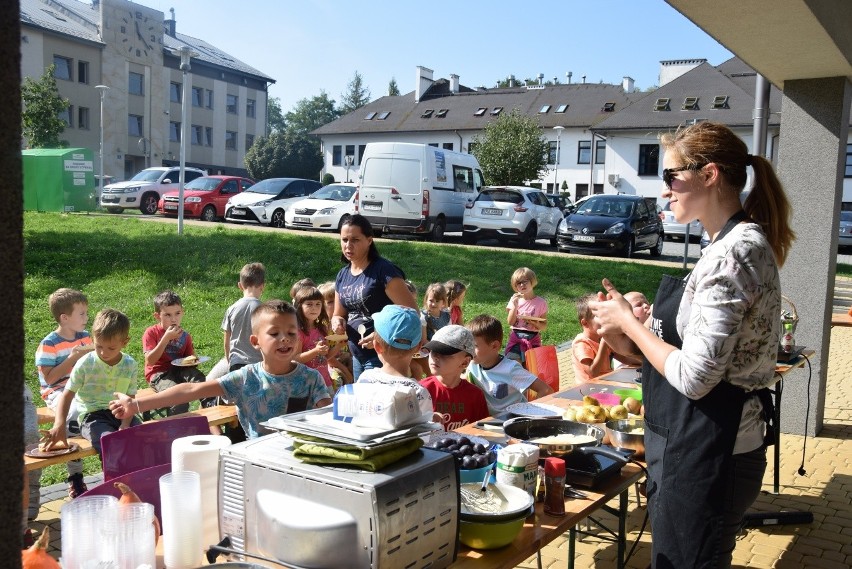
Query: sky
point(309, 46)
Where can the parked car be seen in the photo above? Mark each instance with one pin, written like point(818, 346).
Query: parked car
point(204, 197)
point(267, 201)
point(511, 212)
point(845, 237)
point(561, 202)
point(144, 190)
point(674, 229)
point(326, 208)
point(608, 223)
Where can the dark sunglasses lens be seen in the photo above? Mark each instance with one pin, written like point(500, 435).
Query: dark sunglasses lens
point(667, 178)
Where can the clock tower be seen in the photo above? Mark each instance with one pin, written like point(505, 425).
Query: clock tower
point(133, 30)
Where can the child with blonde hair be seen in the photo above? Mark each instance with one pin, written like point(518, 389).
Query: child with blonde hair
point(527, 314)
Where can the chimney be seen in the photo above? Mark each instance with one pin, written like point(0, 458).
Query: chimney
point(627, 84)
point(541, 78)
point(511, 81)
point(454, 83)
point(171, 25)
point(422, 82)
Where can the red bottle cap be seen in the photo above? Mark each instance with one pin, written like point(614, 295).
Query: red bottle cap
point(554, 466)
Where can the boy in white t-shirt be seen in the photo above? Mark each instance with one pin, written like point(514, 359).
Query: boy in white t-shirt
point(503, 380)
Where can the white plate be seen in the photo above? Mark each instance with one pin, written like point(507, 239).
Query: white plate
point(535, 410)
point(179, 361)
point(437, 436)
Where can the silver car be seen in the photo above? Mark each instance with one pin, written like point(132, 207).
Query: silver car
point(677, 230)
point(845, 237)
point(511, 212)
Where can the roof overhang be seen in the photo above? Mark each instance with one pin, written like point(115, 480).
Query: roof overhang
point(782, 39)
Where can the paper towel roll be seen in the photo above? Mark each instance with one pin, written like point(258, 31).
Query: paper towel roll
point(200, 453)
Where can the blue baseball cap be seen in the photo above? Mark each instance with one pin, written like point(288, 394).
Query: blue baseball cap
point(398, 326)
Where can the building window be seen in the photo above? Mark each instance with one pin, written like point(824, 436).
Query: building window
point(662, 104)
point(561, 108)
point(496, 111)
point(848, 173)
point(136, 84)
point(350, 151)
point(208, 136)
point(544, 109)
point(383, 115)
point(83, 72)
point(480, 111)
point(471, 147)
point(250, 106)
point(649, 160)
point(608, 107)
point(336, 155)
point(174, 131)
point(584, 152)
point(249, 141)
point(690, 104)
point(442, 113)
point(427, 113)
point(552, 157)
point(174, 92)
point(63, 67)
point(65, 116)
point(83, 118)
point(230, 140)
point(361, 149)
point(369, 116)
point(208, 101)
point(197, 96)
point(447, 146)
point(720, 102)
point(197, 133)
point(433, 144)
point(134, 125)
point(582, 191)
point(231, 102)
point(600, 151)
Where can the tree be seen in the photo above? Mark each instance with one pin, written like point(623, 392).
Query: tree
point(327, 179)
point(40, 122)
point(310, 114)
point(356, 96)
point(275, 116)
point(393, 88)
point(512, 150)
point(283, 155)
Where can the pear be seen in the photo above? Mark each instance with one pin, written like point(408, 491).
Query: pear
point(618, 412)
point(632, 405)
point(569, 414)
point(589, 400)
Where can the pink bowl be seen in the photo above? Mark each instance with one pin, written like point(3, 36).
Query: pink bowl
point(607, 398)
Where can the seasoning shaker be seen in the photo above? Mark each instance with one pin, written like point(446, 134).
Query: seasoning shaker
point(554, 486)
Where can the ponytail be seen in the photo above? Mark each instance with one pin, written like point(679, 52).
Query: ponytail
point(767, 206)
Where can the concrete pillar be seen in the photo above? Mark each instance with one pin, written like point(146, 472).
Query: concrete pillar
point(811, 160)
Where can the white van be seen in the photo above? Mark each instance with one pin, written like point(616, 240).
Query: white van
point(416, 188)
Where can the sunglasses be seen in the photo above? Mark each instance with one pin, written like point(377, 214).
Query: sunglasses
point(668, 173)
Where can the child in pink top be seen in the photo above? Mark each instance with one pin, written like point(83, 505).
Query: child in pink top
point(313, 328)
point(527, 314)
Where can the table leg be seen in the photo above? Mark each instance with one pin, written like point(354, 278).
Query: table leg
point(776, 392)
point(572, 537)
point(622, 522)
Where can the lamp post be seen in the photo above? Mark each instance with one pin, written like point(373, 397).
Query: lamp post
point(185, 53)
point(103, 89)
point(348, 161)
point(558, 130)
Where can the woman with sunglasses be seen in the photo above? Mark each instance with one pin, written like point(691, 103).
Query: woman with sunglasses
point(710, 348)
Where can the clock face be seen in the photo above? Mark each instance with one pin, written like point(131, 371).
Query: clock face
point(138, 34)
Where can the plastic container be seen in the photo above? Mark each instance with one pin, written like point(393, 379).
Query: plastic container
point(475, 474)
point(625, 393)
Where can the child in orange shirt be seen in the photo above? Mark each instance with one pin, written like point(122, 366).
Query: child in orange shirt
point(590, 354)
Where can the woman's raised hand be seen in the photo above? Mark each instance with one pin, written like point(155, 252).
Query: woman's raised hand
point(338, 324)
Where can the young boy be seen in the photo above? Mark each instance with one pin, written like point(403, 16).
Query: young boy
point(590, 354)
point(95, 378)
point(274, 386)
point(164, 342)
point(502, 379)
point(56, 356)
point(236, 324)
point(640, 304)
point(456, 402)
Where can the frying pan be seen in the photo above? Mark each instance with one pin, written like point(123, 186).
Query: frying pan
point(528, 429)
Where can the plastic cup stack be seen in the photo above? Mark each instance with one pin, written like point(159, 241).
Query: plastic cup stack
point(180, 504)
point(129, 540)
point(83, 522)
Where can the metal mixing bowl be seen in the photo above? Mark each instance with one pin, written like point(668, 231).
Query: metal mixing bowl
point(623, 434)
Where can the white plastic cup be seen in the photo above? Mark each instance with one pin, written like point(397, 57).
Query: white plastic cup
point(180, 505)
point(83, 521)
point(129, 539)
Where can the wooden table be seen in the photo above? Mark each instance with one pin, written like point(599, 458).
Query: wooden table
point(842, 319)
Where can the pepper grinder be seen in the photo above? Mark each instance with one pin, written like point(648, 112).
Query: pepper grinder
point(554, 486)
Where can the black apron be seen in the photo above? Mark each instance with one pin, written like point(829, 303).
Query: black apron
point(688, 445)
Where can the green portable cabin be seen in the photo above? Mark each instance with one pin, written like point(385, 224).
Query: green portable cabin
point(59, 179)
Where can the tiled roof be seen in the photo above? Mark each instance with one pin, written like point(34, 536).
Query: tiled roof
point(706, 83)
point(42, 15)
point(585, 107)
point(211, 54)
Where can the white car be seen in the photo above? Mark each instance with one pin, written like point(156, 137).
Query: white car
point(267, 201)
point(144, 190)
point(845, 237)
point(672, 228)
point(511, 212)
point(326, 208)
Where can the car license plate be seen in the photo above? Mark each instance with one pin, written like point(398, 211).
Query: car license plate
point(238, 212)
point(170, 206)
point(585, 238)
point(492, 211)
point(372, 206)
point(301, 220)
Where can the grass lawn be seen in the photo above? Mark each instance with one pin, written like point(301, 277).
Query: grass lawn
point(122, 263)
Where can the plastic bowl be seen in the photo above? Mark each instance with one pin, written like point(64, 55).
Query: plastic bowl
point(474, 474)
point(606, 398)
point(625, 393)
point(491, 535)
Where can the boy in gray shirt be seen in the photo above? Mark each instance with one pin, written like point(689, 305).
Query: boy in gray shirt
point(237, 321)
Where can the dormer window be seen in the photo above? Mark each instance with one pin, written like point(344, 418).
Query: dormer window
point(427, 113)
point(561, 108)
point(720, 102)
point(370, 116)
point(496, 111)
point(690, 104)
point(442, 113)
point(608, 107)
point(480, 111)
point(662, 104)
point(544, 109)
point(382, 116)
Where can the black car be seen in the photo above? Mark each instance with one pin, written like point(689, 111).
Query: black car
point(608, 223)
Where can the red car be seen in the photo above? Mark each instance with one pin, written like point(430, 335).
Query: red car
point(204, 197)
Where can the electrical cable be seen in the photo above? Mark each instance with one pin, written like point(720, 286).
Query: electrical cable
point(644, 521)
point(802, 471)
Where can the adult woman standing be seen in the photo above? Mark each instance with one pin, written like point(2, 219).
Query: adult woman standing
point(710, 348)
point(366, 284)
